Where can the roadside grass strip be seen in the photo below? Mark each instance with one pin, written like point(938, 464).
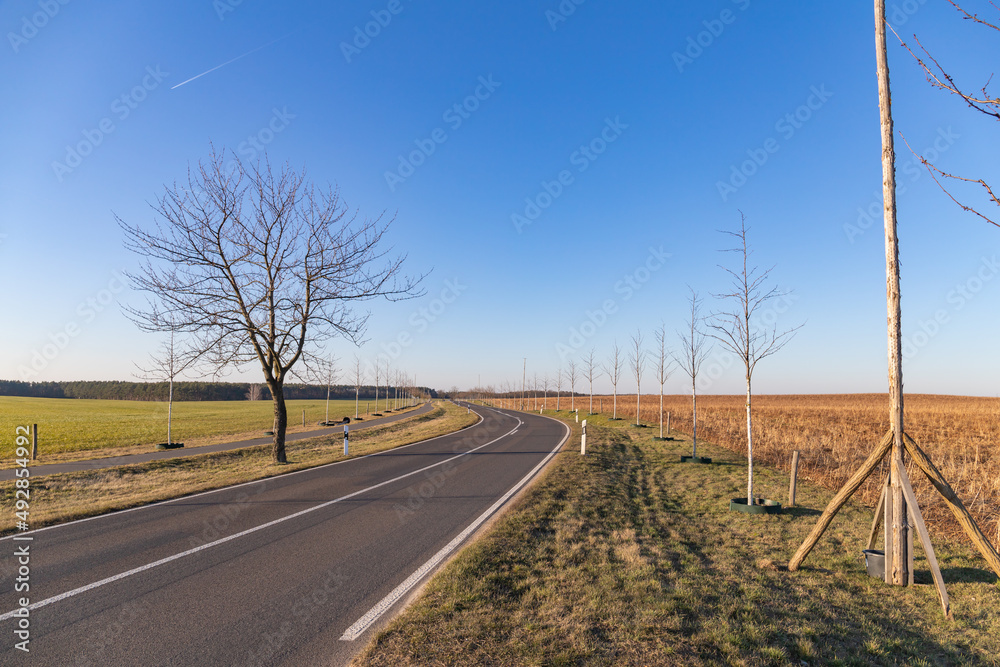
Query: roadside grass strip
point(627, 556)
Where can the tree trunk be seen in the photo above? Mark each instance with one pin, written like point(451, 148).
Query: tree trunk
point(661, 410)
point(614, 411)
point(694, 418)
point(170, 408)
point(280, 423)
point(357, 401)
point(638, 396)
point(749, 449)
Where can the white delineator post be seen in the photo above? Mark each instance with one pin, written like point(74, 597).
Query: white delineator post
point(345, 439)
point(583, 440)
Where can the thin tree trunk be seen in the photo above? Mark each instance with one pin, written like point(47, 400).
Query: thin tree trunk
point(638, 397)
point(357, 401)
point(661, 410)
point(694, 418)
point(749, 449)
point(280, 422)
point(170, 407)
point(614, 411)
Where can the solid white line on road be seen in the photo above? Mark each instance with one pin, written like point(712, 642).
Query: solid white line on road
point(392, 598)
point(168, 559)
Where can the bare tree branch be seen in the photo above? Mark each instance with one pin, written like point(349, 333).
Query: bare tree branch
point(982, 102)
point(258, 265)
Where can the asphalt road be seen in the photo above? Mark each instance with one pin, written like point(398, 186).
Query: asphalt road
point(110, 462)
point(298, 569)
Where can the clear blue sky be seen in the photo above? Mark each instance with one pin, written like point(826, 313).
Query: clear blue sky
point(663, 130)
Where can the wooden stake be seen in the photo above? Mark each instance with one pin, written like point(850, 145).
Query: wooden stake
point(925, 539)
point(795, 476)
point(955, 504)
point(897, 559)
point(887, 522)
point(852, 485)
point(34, 441)
point(877, 521)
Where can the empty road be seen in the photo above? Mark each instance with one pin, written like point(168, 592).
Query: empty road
point(298, 569)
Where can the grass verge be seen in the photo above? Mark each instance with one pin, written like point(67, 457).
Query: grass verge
point(69, 496)
point(629, 557)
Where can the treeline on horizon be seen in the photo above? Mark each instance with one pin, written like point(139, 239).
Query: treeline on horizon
point(183, 391)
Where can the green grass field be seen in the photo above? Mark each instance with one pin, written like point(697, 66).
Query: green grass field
point(77, 425)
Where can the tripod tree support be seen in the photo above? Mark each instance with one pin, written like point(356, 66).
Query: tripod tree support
point(852, 485)
point(955, 504)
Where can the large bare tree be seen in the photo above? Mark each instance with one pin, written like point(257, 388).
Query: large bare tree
point(255, 265)
point(691, 356)
point(739, 329)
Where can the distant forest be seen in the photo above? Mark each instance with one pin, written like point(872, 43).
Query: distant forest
point(183, 391)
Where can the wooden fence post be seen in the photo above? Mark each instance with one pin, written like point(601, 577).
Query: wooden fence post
point(795, 475)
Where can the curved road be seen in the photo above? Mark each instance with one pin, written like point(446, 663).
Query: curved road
point(298, 569)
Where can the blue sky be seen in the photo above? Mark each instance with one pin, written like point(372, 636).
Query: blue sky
point(618, 121)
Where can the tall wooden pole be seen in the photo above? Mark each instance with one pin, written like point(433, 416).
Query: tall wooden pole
point(898, 557)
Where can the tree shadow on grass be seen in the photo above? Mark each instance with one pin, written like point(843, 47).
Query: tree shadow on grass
point(964, 575)
point(798, 511)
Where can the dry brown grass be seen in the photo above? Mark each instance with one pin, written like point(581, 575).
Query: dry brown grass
point(835, 433)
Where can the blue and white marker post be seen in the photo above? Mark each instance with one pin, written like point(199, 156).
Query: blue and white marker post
point(345, 439)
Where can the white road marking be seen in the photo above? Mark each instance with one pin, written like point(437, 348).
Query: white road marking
point(366, 621)
point(168, 559)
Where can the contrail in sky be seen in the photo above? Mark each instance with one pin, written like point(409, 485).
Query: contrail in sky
point(227, 62)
